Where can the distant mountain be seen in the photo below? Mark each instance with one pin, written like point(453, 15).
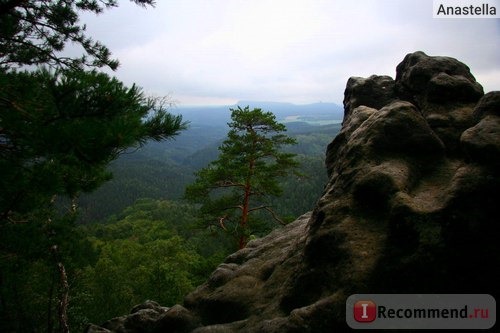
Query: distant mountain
point(279, 107)
point(316, 113)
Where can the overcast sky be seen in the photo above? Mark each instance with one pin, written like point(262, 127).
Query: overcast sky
point(222, 51)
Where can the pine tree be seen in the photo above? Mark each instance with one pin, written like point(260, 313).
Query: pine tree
point(60, 130)
point(58, 133)
point(233, 188)
point(35, 32)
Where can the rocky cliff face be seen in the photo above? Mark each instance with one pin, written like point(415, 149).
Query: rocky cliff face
point(411, 206)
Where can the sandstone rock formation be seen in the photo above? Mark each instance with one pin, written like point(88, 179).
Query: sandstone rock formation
point(409, 208)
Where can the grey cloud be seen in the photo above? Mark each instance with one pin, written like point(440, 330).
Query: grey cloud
point(301, 51)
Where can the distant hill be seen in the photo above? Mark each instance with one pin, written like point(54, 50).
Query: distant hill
point(316, 113)
point(287, 109)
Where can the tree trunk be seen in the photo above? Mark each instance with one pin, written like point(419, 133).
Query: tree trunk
point(63, 302)
point(244, 217)
point(50, 322)
point(246, 199)
point(64, 292)
point(246, 205)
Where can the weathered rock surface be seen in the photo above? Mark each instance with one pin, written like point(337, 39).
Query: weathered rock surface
point(411, 207)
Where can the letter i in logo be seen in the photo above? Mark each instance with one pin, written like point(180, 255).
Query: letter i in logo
point(365, 311)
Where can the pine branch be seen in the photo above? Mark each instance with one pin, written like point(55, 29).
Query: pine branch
point(8, 6)
point(272, 212)
point(227, 184)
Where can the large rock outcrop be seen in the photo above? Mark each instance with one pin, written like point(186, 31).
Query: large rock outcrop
point(411, 206)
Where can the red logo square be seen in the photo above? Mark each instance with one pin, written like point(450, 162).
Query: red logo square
point(365, 311)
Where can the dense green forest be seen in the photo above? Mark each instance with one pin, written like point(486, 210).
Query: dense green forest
point(135, 238)
point(162, 170)
point(92, 216)
point(156, 247)
point(128, 242)
point(152, 250)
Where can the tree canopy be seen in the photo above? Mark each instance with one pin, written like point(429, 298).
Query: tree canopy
point(35, 32)
point(61, 124)
point(238, 184)
point(59, 131)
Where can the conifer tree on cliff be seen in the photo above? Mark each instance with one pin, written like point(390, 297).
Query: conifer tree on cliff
point(234, 187)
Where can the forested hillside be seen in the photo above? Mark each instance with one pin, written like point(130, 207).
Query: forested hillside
point(111, 195)
point(162, 170)
point(151, 250)
point(136, 239)
point(76, 248)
